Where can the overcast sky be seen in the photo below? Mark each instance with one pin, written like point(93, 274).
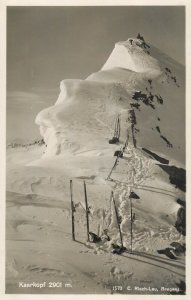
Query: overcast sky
point(48, 44)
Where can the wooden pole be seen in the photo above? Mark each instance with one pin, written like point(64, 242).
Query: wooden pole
point(116, 125)
point(72, 210)
point(119, 129)
point(87, 211)
point(115, 132)
point(116, 161)
point(131, 223)
point(115, 164)
point(117, 217)
point(131, 208)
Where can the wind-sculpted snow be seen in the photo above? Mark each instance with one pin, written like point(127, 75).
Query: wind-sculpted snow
point(130, 55)
point(142, 90)
point(85, 110)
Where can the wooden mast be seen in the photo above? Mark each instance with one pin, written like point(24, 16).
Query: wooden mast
point(72, 210)
point(87, 211)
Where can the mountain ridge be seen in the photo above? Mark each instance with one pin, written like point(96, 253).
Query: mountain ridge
point(110, 91)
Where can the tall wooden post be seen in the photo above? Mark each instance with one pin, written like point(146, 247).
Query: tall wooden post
point(117, 217)
point(131, 223)
point(119, 129)
point(87, 211)
point(131, 208)
point(108, 177)
point(72, 210)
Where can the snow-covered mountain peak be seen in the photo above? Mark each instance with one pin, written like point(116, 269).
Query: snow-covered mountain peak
point(133, 54)
point(136, 77)
point(131, 42)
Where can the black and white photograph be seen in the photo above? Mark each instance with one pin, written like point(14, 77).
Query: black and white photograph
point(96, 150)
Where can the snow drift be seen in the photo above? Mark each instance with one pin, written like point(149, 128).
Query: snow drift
point(145, 88)
point(85, 110)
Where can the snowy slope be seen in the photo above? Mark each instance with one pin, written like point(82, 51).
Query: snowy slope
point(39, 245)
point(88, 108)
point(76, 131)
point(130, 55)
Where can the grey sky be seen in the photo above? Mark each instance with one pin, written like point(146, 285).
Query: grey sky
point(48, 44)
